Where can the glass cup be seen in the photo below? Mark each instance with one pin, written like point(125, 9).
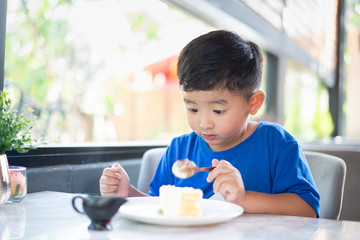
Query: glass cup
point(18, 183)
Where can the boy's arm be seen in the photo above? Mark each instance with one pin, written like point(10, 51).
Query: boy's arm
point(134, 192)
point(228, 181)
point(281, 203)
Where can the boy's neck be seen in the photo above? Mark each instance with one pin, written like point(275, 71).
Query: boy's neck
point(251, 127)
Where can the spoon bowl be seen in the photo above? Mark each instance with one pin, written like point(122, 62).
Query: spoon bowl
point(186, 168)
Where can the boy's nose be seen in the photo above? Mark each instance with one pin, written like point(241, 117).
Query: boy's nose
point(206, 123)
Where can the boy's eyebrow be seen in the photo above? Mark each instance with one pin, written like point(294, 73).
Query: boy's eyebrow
point(219, 101)
point(188, 101)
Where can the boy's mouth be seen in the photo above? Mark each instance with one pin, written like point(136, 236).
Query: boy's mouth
point(208, 136)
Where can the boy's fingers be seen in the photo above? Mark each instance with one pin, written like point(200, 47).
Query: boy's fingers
point(115, 166)
point(212, 174)
point(109, 180)
point(108, 189)
point(220, 181)
point(215, 162)
point(110, 172)
point(222, 167)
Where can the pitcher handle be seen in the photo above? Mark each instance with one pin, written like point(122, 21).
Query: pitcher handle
point(74, 205)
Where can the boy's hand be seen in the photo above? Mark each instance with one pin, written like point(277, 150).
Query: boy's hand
point(114, 181)
point(228, 181)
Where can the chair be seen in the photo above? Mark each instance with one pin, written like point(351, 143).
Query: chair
point(329, 175)
point(148, 166)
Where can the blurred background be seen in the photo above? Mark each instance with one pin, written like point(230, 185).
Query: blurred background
point(104, 71)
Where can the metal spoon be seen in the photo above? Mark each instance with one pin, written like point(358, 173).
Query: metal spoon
point(186, 168)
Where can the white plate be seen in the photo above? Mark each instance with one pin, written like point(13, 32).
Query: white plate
point(146, 210)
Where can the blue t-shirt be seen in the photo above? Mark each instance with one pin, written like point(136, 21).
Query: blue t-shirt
point(270, 161)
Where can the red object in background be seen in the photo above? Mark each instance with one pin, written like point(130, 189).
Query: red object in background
point(166, 67)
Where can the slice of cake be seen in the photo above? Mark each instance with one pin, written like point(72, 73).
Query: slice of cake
point(180, 201)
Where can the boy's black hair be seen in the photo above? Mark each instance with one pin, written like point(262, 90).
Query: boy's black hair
point(220, 59)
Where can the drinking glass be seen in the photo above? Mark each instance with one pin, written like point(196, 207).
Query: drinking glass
point(18, 183)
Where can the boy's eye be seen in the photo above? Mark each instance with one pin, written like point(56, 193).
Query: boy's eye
point(194, 110)
point(218, 111)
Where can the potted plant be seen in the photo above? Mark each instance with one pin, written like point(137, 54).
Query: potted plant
point(15, 134)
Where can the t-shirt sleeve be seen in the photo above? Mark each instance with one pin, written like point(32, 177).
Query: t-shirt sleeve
point(292, 175)
point(162, 175)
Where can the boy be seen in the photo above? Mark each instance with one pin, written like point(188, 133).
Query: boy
point(262, 167)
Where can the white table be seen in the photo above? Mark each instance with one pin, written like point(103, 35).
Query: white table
point(49, 215)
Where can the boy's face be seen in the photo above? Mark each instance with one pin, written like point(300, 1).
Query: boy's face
point(218, 116)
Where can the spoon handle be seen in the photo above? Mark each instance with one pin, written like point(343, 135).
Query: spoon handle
point(205, 169)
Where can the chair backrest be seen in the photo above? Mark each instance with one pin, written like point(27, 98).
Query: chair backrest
point(148, 166)
point(329, 175)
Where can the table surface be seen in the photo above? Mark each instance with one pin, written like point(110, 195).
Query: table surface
point(49, 215)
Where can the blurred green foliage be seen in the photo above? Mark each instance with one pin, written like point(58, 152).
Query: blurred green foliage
point(34, 46)
point(352, 13)
point(14, 127)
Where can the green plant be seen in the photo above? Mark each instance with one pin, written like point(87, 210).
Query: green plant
point(15, 127)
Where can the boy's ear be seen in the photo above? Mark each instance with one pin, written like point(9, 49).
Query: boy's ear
point(256, 101)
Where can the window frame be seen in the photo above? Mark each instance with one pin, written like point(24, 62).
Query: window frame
point(76, 154)
point(3, 14)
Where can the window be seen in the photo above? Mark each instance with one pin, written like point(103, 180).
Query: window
point(306, 107)
point(105, 71)
point(352, 71)
point(98, 71)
